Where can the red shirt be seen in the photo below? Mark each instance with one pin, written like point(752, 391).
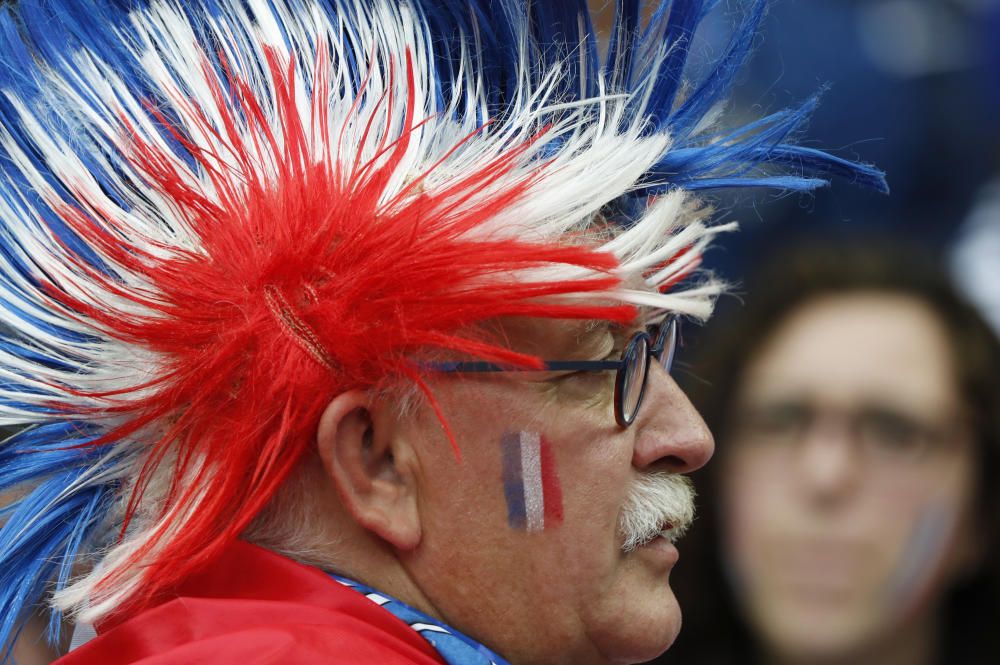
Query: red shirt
point(254, 607)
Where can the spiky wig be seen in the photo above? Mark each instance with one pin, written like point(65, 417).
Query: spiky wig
point(218, 214)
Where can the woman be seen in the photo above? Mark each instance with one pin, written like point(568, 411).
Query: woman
point(852, 509)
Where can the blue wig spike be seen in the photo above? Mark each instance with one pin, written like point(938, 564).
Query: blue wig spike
point(39, 544)
point(719, 81)
point(497, 26)
point(46, 529)
point(19, 76)
point(64, 445)
point(32, 355)
point(737, 158)
point(15, 310)
point(673, 30)
point(55, 31)
point(58, 29)
point(621, 49)
point(564, 40)
point(446, 19)
point(811, 160)
point(783, 182)
point(735, 153)
point(15, 58)
point(21, 266)
point(698, 161)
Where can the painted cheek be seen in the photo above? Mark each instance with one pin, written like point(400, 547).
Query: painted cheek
point(922, 556)
point(530, 482)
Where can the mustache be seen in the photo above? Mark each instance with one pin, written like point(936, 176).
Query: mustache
point(657, 504)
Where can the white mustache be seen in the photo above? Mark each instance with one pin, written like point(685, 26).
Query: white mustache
point(657, 504)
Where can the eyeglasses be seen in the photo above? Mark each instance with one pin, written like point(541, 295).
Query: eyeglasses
point(632, 369)
point(881, 433)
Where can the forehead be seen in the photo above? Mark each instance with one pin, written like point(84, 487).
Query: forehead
point(858, 347)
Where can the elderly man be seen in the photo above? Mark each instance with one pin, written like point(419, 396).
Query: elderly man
point(341, 330)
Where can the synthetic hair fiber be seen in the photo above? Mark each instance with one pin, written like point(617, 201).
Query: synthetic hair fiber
point(216, 215)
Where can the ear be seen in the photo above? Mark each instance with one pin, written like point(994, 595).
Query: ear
point(371, 467)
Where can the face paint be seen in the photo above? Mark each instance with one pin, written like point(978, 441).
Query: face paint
point(530, 482)
point(922, 555)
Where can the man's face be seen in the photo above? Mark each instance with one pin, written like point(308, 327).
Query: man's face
point(521, 545)
point(848, 478)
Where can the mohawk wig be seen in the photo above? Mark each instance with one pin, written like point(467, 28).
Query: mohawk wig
point(218, 214)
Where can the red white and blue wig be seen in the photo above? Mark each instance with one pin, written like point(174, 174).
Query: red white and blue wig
point(216, 215)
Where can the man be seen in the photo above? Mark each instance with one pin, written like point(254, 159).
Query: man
point(342, 329)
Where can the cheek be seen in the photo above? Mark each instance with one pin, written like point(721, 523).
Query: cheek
point(926, 532)
point(598, 475)
point(920, 561)
point(751, 500)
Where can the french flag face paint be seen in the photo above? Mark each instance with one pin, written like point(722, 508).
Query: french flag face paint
point(923, 555)
point(530, 482)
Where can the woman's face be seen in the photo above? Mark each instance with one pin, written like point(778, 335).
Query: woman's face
point(848, 476)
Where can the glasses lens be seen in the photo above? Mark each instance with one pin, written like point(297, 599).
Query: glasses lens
point(667, 343)
point(636, 358)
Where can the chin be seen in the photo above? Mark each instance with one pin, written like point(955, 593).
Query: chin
point(660, 637)
point(644, 630)
point(806, 637)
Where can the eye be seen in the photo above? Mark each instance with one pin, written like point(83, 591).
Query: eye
point(776, 422)
point(589, 387)
point(889, 433)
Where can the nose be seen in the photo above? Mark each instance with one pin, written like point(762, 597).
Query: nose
point(826, 462)
point(669, 431)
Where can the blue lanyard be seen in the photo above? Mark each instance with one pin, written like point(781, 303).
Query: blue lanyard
point(454, 647)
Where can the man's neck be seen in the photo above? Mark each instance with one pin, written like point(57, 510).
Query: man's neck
point(373, 563)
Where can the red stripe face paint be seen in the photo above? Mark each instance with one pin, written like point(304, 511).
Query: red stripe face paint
point(551, 490)
point(531, 482)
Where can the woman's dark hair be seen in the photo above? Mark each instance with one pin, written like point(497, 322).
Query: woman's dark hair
point(714, 633)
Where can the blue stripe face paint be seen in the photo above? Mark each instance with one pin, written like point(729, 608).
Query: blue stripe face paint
point(513, 480)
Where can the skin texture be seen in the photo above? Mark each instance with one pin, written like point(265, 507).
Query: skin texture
point(433, 530)
point(843, 534)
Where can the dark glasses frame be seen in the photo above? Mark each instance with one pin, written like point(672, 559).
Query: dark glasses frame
point(636, 355)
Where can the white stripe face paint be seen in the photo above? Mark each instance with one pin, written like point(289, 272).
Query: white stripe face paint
point(531, 468)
